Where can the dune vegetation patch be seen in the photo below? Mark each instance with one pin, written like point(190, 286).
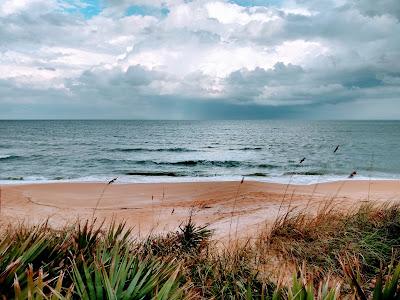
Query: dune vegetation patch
point(334, 255)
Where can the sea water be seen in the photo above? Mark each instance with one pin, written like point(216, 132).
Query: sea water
point(160, 151)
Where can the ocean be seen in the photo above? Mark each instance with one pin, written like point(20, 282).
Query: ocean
point(178, 151)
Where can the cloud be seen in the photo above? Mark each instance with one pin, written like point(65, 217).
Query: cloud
point(293, 58)
point(372, 8)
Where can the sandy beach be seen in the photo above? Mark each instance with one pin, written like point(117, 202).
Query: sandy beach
point(155, 207)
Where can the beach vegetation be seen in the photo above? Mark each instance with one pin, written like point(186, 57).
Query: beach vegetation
point(328, 255)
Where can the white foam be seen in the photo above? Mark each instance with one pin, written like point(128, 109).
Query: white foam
point(293, 179)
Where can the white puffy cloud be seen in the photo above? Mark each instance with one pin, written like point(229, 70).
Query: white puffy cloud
point(14, 7)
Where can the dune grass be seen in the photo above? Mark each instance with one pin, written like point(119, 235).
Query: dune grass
point(369, 236)
point(334, 255)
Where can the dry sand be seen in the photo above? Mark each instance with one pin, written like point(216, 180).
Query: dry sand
point(227, 207)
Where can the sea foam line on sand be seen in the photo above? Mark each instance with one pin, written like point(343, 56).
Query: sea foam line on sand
point(293, 179)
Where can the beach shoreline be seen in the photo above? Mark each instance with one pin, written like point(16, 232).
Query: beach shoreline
point(162, 207)
point(295, 179)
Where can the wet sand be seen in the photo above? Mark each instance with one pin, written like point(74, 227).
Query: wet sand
point(230, 208)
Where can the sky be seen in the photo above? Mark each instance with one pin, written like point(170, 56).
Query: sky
point(200, 59)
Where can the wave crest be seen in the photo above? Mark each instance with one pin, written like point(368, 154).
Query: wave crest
point(152, 150)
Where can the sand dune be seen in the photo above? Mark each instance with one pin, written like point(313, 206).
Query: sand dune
point(225, 206)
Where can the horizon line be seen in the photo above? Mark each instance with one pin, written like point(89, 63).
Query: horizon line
point(174, 120)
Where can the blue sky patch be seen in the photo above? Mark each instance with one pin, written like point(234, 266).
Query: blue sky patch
point(145, 10)
point(250, 3)
point(88, 9)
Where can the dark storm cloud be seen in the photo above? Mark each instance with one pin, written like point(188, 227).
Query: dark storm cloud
point(373, 8)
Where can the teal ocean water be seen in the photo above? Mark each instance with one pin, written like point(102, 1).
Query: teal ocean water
point(158, 151)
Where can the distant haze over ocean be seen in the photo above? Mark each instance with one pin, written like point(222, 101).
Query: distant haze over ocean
point(158, 151)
